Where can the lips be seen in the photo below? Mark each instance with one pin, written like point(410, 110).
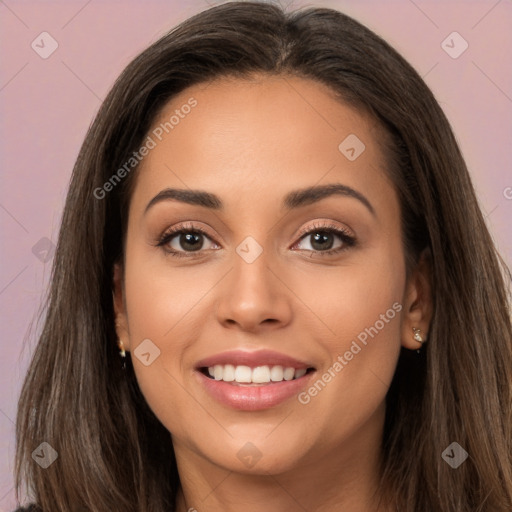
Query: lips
point(253, 380)
point(253, 359)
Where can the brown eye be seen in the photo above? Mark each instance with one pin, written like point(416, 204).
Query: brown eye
point(184, 240)
point(322, 240)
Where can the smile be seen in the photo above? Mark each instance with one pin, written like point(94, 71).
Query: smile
point(253, 381)
point(259, 375)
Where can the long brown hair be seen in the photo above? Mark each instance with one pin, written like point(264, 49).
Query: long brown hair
point(113, 453)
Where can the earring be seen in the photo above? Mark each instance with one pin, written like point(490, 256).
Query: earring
point(122, 353)
point(417, 337)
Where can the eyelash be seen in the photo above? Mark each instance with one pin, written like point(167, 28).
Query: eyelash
point(348, 240)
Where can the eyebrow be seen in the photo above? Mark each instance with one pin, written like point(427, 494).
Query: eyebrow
point(294, 199)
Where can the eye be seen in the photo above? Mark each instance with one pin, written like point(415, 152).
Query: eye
point(183, 239)
point(322, 237)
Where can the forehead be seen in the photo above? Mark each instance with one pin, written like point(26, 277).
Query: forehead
point(257, 138)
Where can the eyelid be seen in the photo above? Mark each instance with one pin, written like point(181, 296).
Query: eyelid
point(187, 226)
point(328, 225)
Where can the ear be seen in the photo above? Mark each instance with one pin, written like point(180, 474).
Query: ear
point(118, 295)
point(418, 302)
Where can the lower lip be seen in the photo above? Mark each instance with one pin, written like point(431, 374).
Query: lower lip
point(253, 398)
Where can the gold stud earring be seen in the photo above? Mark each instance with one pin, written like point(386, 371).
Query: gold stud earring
point(122, 353)
point(417, 336)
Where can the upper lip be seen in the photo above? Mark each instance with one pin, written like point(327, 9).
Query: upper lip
point(253, 359)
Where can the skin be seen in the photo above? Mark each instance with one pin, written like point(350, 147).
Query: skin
point(251, 142)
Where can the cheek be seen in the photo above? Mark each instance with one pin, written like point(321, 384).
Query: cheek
point(166, 307)
point(351, 298)
point(164, 298)
point(361, 306)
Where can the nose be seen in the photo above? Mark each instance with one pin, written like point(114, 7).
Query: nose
point(253, 297)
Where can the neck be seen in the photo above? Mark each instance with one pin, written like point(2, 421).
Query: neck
point(344, 478)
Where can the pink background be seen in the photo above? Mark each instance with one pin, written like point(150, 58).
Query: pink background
point(48, 104)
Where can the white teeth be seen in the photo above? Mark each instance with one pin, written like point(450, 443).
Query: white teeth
point(217, 372)
point(300, 373)
point(243, 374)
point(259, 375)
point(288, 373)
point(229, 373)
point(276, 373)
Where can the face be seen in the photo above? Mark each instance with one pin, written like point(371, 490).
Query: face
point(264, 321)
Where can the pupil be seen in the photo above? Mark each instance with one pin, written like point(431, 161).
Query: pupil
point(190, 240)
point(320, 237)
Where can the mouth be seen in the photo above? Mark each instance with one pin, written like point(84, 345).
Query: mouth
point(253, 381)
point(243, 375)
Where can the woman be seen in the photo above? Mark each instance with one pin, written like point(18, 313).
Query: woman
point(203, 351)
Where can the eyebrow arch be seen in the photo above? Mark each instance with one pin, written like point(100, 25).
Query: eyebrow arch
point(294, 199)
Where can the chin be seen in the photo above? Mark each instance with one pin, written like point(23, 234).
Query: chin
point(256, 455)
